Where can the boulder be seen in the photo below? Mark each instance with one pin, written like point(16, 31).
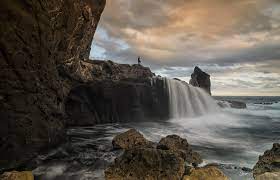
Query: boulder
point(36, 38)
point(268, 162)
point(201, 79)
point(130, 139)
point(146, 163)
point(181, 147)
point(268, 176)
point(15, 175)
point(206, 173)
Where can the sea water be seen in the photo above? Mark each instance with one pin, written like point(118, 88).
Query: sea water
point(232, 138)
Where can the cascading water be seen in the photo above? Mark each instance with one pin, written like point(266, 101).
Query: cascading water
point(188, 101)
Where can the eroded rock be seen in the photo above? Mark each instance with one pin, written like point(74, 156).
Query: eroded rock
point(268, 162)
point(206, 173)
point(36, 37)
point(201, 79)
point(146, 163)
point(130, 139)
point(15, 175)
point(181, 147)
point(269, 176)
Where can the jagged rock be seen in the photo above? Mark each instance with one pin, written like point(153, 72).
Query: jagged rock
point(130, 139)
point(117, 101)
point(15, 175)
point(181, 147)
point(201, 79)
point(268, 162)
point(206, 173)
point(146, 163)
point(36, 38)
point(269, 176)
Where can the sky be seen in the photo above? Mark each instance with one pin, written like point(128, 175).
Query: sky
point(236, 42)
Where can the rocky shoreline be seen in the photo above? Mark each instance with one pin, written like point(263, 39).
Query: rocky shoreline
point(48, 83)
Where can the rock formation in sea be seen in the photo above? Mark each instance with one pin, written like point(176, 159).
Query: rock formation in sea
point(201, 79)
point(37, 37)
point(166, 160)
point(268, 165)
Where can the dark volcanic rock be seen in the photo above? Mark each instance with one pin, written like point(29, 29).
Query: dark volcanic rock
point(268, 162)
point(201, 79)
point(37, 36)
point(130, 139)
point(129, 99)
point(181, 147)
point(146, 163)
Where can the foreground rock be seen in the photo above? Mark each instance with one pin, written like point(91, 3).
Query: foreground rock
point(180, 147)
point(146, 163)
point(269, 176)
point(268, 162)
point(130, 139)
point(201, 79)
point(15, 175)
point(206, 173)
point(142, 160)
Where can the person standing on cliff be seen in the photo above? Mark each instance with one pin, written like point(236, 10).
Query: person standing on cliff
point(139, 60)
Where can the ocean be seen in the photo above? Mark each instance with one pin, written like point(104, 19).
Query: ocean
point(232, 138)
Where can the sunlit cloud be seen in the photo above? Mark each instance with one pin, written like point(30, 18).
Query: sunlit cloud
point(228, 39)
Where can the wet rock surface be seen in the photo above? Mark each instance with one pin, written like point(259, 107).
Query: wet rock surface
point(15, 175)
point(268, 162)
point(206, 173)
point(181, 147)
point(201, 79)
point(232, 104)
point(123, 100)
point(269, 176)
point(36, 38)
point(130, 139)
point(146, 163)
point(165, 161)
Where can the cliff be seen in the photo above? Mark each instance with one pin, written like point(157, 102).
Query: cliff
point(37, 37)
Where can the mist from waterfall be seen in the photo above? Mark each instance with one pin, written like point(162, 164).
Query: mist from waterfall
point(188, 101)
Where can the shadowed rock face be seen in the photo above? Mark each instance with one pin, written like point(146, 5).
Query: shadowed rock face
point(201, 79)
point(269, 162)
point(117, 101)
point(36, 37)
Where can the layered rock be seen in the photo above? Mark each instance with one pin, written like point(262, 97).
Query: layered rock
point(269, 162)
point(201, 79)
point(121, 97)
point(38, 36)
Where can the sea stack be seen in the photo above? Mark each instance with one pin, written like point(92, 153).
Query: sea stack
point(201, 79)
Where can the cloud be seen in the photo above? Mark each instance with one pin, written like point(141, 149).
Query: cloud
point(183, 33)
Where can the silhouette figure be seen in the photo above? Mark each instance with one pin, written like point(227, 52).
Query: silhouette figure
point(139, 60)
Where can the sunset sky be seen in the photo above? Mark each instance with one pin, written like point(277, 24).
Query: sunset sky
point(236, 42)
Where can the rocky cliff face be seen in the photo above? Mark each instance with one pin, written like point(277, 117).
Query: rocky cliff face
point(111, 92)
point(37, 37)
point(201, 79)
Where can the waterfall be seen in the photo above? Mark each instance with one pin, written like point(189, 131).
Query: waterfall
point(188, 101)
